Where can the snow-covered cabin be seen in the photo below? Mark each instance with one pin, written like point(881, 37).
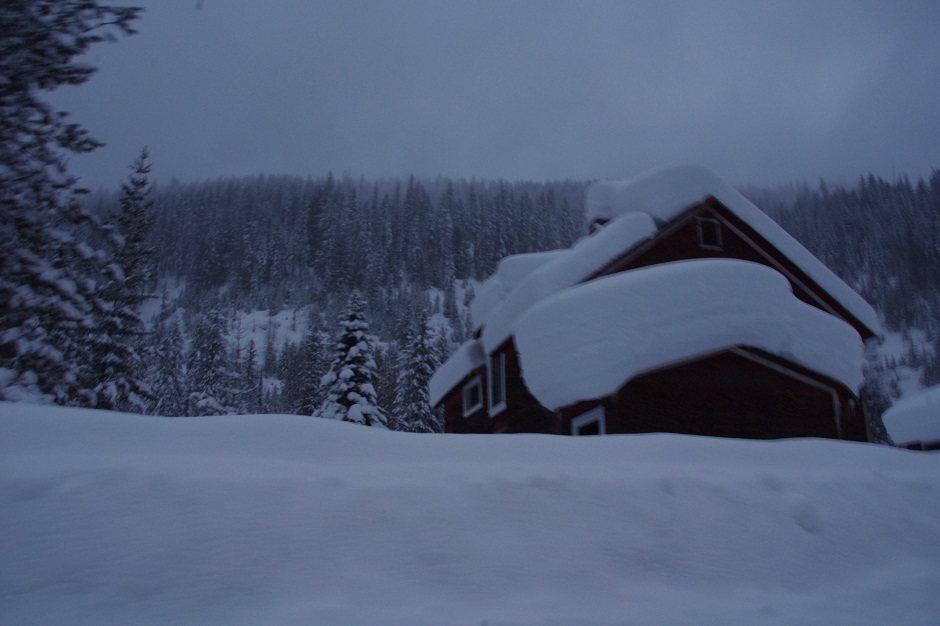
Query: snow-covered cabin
point(685, 310)
point(914, 422)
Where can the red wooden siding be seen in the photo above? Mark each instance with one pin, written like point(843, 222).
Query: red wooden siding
point(732, 395)
point(523, 412)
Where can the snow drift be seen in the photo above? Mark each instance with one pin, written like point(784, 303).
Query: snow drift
point(116, 519)
point(915, 418)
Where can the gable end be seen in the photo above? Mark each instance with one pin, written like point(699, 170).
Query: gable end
point(681, 239)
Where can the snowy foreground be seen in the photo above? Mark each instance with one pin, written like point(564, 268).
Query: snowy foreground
point(118, 519)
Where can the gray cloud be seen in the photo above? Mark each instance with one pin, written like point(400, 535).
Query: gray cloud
point(761, 92)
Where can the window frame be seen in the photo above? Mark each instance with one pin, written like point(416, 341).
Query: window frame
point(713, 223)
point(595, 415)
point(492, 381)
point(476, 381)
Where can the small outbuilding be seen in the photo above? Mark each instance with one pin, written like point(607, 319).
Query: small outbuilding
point(685, 310)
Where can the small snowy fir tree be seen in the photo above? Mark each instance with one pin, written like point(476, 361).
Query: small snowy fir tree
point(169, 381)
point(418, 362)
point(115, 367)
point(349, 391)
point(212, 376)
point(313, 362)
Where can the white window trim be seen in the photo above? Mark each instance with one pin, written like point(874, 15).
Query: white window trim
point(478, 382)
point(698, 227)
point(496, 408)
point(594, 415)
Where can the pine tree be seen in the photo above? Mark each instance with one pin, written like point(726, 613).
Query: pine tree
point(249, 393)
point(169, 379)
point(349, 389)
point(114, 365)
point(290, 372)
point(312, 365)
point(211, 375)
point(47, 274)
point(417, 363)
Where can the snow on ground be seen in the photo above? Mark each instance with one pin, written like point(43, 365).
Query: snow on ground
point(116, 519)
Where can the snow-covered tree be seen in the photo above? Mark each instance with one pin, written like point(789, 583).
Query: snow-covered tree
point(349, 386)
point(250, 395)
point(47, 275)
point(312, 364)
point(114, 365)
point(169, 381)
point(211, 372)
point(417, 363)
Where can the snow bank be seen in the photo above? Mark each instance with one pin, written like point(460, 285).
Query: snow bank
point(467, 358)
point(915, 418)
point(665, 193)
point(565, 269)
point(117, 519)
point(585, 342)
point(508, 273)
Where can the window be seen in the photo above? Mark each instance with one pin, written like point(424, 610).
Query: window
point(590, 423)
point(497, 378)
point(709, 233)
point(472, 396)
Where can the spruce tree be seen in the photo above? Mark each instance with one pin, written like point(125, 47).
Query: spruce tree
point(48, 276)
point(211, 374)
point(169, 380)
point(291, 374)
point(417, 363)
point(312, 365)
point(250, 388)
point(349, 386)
point(114, 361)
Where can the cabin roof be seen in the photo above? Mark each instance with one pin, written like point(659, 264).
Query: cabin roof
point(664, 194)
point(466, 359)
point(509, 272)
point(624, 325)
point(915, 418)
point(634, 211)
point(563, 269)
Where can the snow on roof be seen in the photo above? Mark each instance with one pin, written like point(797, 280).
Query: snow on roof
point(566, 269)
point(665, 193)
point(509, 272)
point(915, 418)
point(587, 341)
point(467, 358)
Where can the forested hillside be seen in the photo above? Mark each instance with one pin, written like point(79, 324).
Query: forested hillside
point(261, 268)
point(256, 271)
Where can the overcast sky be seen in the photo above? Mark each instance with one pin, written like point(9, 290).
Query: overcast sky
point(760, 92)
